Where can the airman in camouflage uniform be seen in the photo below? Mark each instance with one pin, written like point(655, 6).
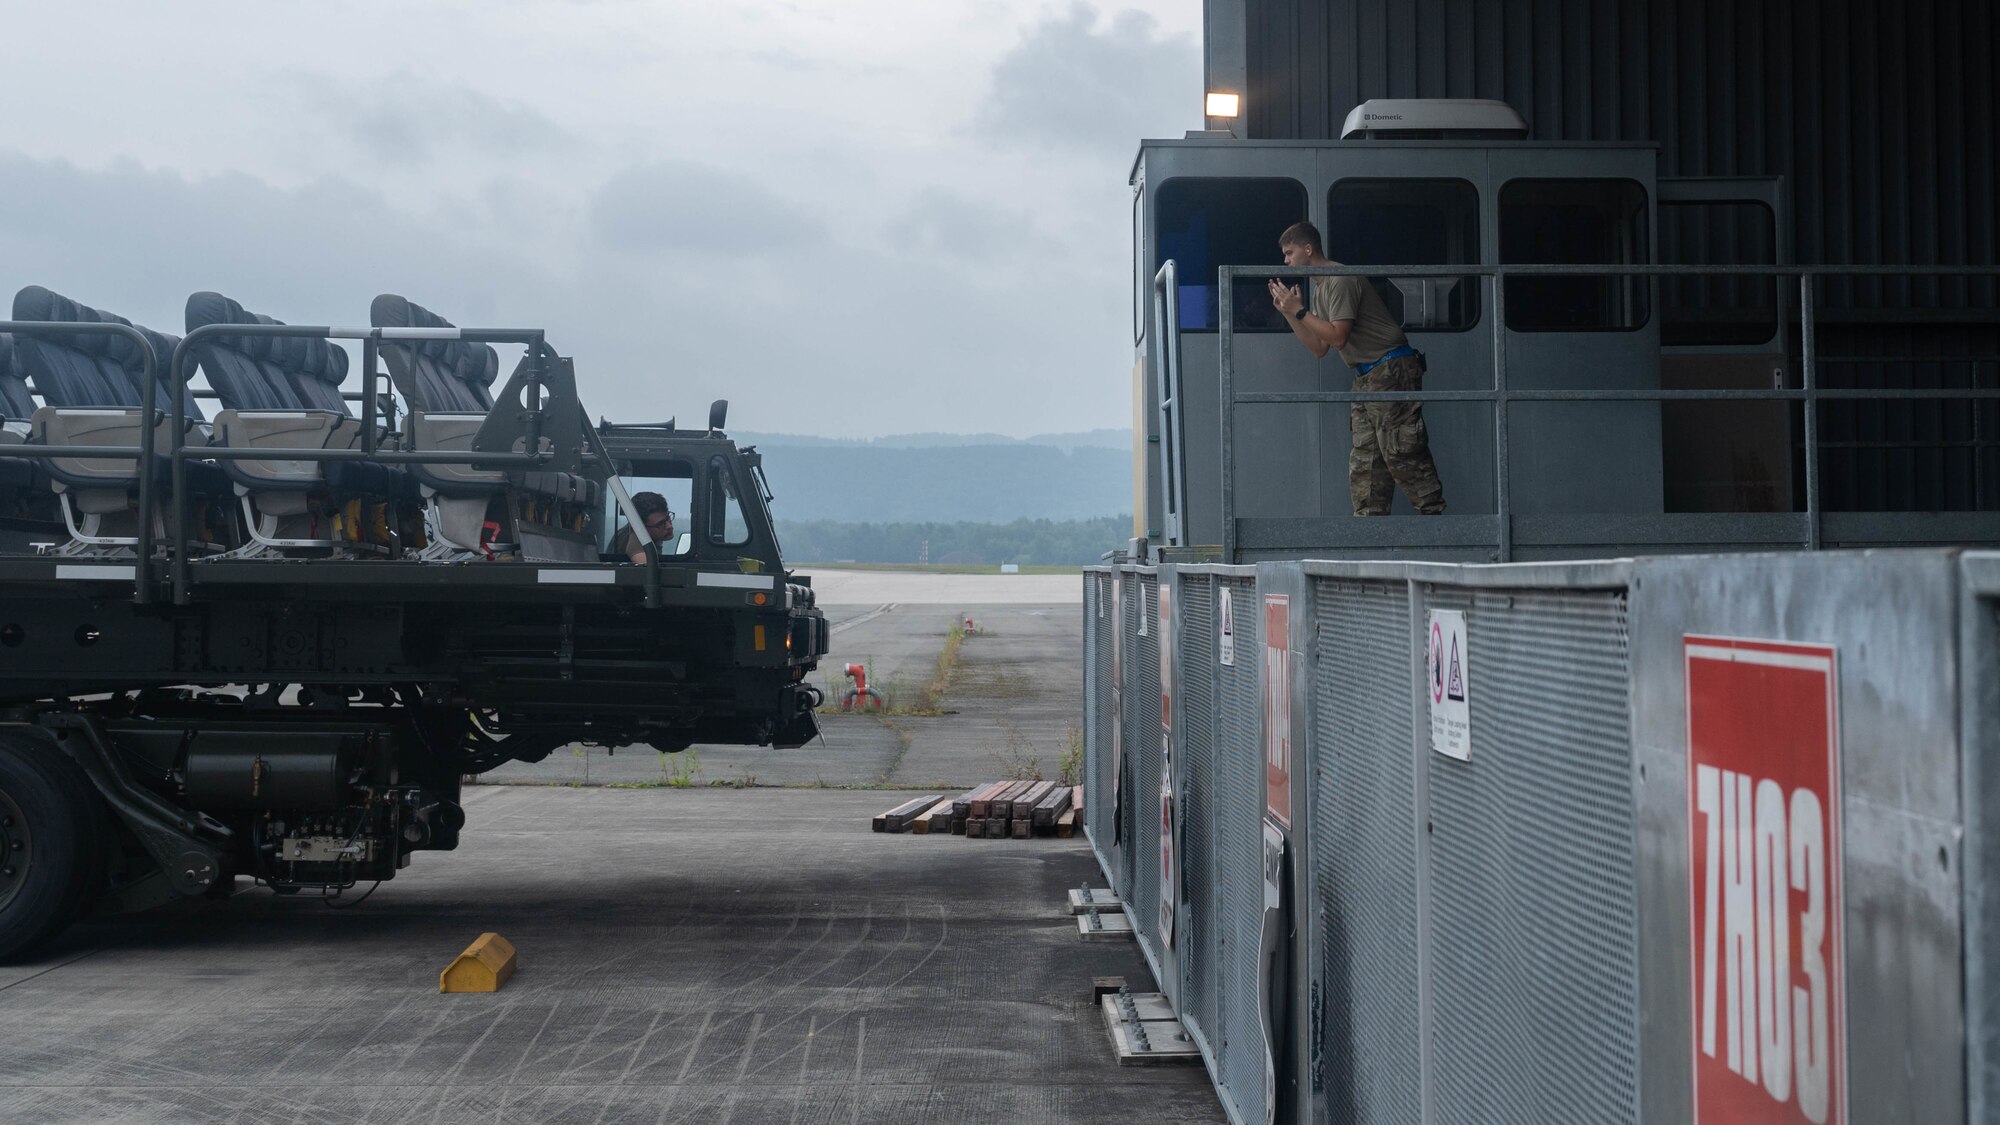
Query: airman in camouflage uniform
point(1391, 445)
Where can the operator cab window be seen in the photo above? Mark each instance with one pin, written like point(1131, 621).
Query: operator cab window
point(1208, 223)
point(726, 524)
point(1575, 222)
point(1411, 223)
point(672, 481)
point(1710, 311)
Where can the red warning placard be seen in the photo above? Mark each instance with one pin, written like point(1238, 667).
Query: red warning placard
point(1764, 882)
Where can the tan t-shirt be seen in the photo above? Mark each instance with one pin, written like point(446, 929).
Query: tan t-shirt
point(1375, 332)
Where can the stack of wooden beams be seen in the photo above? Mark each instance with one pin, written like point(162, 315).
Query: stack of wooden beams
point(998, 811)
point(903, 817)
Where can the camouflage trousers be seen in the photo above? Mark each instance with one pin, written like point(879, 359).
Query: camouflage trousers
point(1391, 445)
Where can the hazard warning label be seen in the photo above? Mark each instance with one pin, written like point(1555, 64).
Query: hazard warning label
point(1449, 678)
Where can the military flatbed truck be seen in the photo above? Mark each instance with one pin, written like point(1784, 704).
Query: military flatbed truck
point(271, 645)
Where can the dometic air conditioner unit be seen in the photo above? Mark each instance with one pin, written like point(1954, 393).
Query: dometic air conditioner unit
point(1433, 119)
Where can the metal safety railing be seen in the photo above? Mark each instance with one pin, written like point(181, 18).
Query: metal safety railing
point(148, 402)
point(179, 373)
point(1167, 377)
point(1759, 528)
point(371, 341)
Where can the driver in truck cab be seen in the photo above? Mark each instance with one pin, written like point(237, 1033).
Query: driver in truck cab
point(659, 521)
point(1391, 445)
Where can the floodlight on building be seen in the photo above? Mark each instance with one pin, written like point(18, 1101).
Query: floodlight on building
point(1223, 105)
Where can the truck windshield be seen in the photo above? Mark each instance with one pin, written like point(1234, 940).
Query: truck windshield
point(650, 484)
point(726, 523)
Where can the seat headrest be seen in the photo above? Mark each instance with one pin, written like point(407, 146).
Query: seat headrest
point(476, 365)
point(313, 358)
point(36, 303)
point(15, 401)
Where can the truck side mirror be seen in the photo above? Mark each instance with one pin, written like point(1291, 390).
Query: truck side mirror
point(718, 413)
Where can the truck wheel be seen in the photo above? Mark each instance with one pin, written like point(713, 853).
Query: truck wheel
point(49, 829)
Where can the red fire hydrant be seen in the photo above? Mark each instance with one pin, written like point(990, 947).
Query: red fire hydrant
point(858, 692)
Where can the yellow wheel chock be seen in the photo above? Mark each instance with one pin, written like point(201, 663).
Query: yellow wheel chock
point(483, 967)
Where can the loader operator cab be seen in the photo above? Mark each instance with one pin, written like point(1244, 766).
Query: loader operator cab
point(1241, 458)
point(670, 480)
point(715, 490)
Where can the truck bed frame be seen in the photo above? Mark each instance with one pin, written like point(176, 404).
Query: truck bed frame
point(174, 717)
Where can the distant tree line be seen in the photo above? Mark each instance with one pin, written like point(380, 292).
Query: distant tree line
point(983, 483)
point(1033, 542)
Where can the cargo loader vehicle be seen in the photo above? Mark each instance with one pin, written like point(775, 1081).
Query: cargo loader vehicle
point(263, 629)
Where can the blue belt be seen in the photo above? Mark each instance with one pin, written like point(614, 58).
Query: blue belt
point(1397, 352)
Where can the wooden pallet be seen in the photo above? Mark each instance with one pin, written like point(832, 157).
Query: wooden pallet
point(998, 810)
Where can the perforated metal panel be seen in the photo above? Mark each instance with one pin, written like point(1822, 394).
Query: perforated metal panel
point(1099, 620)
point(1515, 882)
point(1364, 853)
point(1533, 902)
point(1143, 750)
point(1239, 807)
point(1194, 723)
point(1130, 731)
point(1100, 814)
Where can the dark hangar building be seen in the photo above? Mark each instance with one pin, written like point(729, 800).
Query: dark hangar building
point(1669, 133)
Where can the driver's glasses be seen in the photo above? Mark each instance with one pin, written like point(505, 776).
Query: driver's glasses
point(659, 523)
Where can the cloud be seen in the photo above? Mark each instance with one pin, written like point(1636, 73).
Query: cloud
point(1076, 80)
point(850, 217)
point(944, 223)
point(137, 241)
point(407, 120)
point(824, 338)
point(683, 205)
point(797, 62)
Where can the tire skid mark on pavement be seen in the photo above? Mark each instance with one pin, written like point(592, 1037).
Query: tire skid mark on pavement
point(855, 1009)
point(798, 916)
point(856, 620)
point(193, 1084)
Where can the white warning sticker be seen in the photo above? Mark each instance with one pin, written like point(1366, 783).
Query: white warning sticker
point(1448, 672)
point(1225, 633)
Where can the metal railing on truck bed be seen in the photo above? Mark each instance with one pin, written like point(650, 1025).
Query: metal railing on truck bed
point(181, 452)
point(371, 339)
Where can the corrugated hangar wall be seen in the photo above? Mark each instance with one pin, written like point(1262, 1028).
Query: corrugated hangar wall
point(1883, 118)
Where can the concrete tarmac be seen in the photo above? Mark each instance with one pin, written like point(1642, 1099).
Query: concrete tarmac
point(743, 956)
point(689, 952)
point(835, 586)
point(1012, 706)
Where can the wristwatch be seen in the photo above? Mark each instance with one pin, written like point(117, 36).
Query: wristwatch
point(1301, 314)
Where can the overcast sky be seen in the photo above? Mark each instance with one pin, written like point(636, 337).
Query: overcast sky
point(850, 217)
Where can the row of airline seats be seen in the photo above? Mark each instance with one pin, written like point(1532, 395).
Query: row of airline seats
point(283, 392)
point(24, 492)
point(446, 385)
point(91, 387)
point(276, 392)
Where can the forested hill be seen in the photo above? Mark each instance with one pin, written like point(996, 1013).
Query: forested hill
point(980, 478)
